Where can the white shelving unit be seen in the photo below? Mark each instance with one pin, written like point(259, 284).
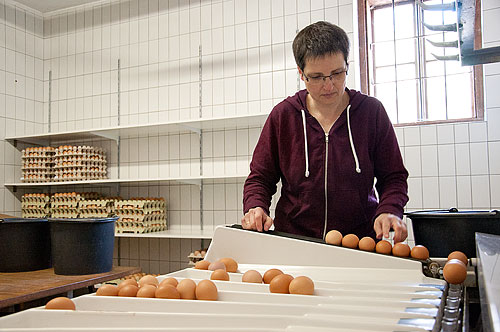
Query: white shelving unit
point(136, 131)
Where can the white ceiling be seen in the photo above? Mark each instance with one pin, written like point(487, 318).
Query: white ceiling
point(46, 6)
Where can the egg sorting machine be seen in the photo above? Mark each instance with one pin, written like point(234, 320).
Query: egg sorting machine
point(354, 291)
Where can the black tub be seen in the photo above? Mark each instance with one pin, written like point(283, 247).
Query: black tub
point(82, 246)
point(24, 244)
point(445, 231)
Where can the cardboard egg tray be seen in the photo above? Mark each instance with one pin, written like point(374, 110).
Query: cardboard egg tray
point(37, 164)
point(45, 151)
point(65, 213)
point(138, 228)
point(35, 212)
point(146, 204)
point(141, 215)
point(35, 205)
point(94, 213)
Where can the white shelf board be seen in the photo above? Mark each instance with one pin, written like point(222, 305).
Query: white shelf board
point(188, 180)
point(145, 130)
point(172, 234)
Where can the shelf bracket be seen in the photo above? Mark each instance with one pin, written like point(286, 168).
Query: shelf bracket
point(107, 136)
point(193, 129)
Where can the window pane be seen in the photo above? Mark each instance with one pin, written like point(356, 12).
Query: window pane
point(385, 74)
point(460, 96)
point(406, 72)
point(382, 24)
point(436, 107)
point(405, 51)
point(407, 101)
point(384, 54)
point(386, 93)
point(454, 67)
point(405, 27)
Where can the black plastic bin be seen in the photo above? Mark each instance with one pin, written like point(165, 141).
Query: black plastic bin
point(82, 246)
point(445, 231)
point(24, 245)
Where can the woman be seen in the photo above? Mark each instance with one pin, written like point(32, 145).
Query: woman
point(327, 144)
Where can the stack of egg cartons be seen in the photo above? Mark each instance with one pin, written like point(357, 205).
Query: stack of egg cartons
point(96, 207)
point(35, 206)
point(37, 164)
point(78, 163)
point(67, 205)
point(141, 215)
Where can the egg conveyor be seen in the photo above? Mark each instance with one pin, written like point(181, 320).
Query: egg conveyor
point(354, 291)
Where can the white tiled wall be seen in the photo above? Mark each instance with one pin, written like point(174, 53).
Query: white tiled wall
point(243, 48)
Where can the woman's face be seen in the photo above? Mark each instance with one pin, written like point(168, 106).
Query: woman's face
point(325, 78)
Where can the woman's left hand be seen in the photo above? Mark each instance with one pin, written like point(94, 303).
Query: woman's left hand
point(387, 221)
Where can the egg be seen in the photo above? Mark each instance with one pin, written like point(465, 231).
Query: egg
point(147, 290)
point(206, 290)
point(252, 276)
point(217, 265)
point(401, 249)
point(334, 237)
point(367, 244)
point(187, 289)
point(419, 252)
point(167, 292)
point(127, 282)
point(61, 303)
point(128, 290)
point(301, 285)
point(148, 280)
point(202, 265)
point(231, 264)
point(384, 247)
point(280, 284)
point(455, 271)
point(350, 241)
point(219, 274)
point(460, 256)
point(107, 290)
point(170, 281)
point(270, 274)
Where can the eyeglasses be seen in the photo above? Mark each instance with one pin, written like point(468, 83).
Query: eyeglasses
point(317, 80)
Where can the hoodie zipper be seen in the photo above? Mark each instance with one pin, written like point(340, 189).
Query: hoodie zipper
point(326, 187)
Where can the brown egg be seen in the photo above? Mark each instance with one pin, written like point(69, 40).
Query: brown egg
point(170, 281)
point(187, 289)
point(147, 290)
point(167, 292)
point(420, 252)
point(460, 256)
point(401, 249)
point(231, 264)
point(334, 237)
point(148, 280)
point(202, 265)
point(455, 271)
point(219, 274)
point(280, 284)
point(206, 290)
point(350, 241)
point(252, 276)
point(107, 290)
point(301, 285)
point(367, 244)
point(61, 303)
point(127, 282)
point(217, 265)
point(270, 274)
point(384, 247)
point(128, 290)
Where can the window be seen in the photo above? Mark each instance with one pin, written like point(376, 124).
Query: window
point(399, 68)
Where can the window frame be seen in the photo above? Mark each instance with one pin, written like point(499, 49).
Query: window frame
point(478, 112)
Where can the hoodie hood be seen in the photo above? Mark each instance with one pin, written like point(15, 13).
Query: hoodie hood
point(298, 101)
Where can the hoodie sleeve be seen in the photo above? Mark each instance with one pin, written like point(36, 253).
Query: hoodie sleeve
point(390, 171)
point(260, 184)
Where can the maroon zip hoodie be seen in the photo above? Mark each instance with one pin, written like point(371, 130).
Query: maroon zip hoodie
point(306, 162)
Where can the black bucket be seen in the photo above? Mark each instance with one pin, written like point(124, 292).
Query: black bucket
point(82, 246)
point(24, 245)
point(445, 231)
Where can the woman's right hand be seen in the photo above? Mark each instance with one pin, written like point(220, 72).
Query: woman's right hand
point(256, 219)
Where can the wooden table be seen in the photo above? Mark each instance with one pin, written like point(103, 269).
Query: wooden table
point(20, 287)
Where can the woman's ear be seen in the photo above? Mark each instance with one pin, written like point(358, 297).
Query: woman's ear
point(301, 73)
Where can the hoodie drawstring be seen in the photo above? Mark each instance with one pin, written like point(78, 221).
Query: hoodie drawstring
point(353, 149)
point(305, 142)
point(358, 170)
